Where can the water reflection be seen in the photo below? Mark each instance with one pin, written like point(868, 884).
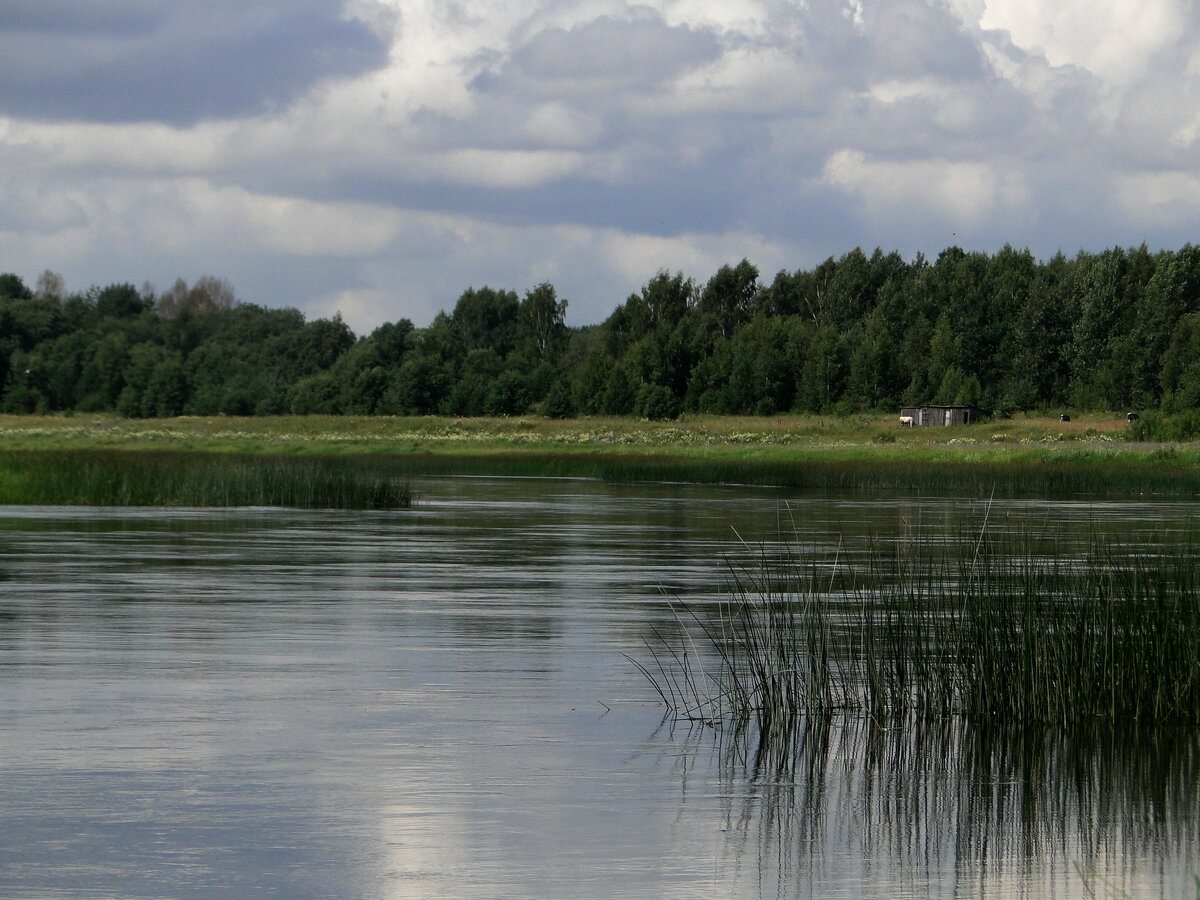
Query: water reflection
point(201, 703)
point(945, 808)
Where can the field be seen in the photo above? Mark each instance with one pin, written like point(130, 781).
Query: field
point(859, 437)
point(1022, 456)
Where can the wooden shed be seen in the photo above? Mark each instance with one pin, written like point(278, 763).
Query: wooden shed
point(941, 415)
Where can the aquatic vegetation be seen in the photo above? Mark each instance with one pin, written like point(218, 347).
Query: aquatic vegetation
point(1013, 458)
point(146, 478)
point(1002, 804)
point(994, 628)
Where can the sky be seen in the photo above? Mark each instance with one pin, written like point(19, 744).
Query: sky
point(375, 158)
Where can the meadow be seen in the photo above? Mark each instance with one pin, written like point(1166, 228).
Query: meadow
point(1022, 456)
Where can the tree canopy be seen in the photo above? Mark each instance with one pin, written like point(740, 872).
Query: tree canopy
point(1005, 331)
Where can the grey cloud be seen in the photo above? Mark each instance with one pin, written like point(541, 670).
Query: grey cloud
point(123, 61)
point(605, 54)
point(112, 17)
point(916, 39)
point(655, 159)
point(699, 169)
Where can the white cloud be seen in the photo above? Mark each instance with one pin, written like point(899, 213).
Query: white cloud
point(592, 142)
point(1159, 199)
point(744, 16)
point(503, 168)
point(637, 256)
point(748, 80)
point(959, 192)
point(558, 125)
point(1114, 39)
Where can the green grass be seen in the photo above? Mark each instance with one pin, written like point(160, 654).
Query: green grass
point(1025, 457)
point(1006, 629)
point(863, 437)
point(122, 478)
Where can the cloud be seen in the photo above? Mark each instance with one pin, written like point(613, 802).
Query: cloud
point(637, 257)
point(961, 194)
point(138, 60)
point(1113, 39)
point(1159, 199)
point(603, 56)
point(384, 155)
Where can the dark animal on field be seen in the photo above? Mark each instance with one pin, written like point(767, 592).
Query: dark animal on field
point(1064, 418)
point(1132, 417)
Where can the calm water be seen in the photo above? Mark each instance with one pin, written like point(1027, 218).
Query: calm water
point(437, 703)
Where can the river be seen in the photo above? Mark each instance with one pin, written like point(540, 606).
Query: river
point(439, 702)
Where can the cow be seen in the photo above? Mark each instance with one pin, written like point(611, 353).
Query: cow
point(1131, 417)
point(1064, 418)
point(906, 421)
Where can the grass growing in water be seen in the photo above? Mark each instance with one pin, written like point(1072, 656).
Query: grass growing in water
point(1023, 457)
point(115, 478)
point(1008, 629)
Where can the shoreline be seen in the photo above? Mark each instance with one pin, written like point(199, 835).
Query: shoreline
point(865, 435)
point(1027, 457)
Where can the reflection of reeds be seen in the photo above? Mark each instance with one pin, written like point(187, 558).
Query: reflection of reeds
point(925, 799)
point(114, 478)
point(994, 629)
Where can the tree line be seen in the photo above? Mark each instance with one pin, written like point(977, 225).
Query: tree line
point(1119, 329)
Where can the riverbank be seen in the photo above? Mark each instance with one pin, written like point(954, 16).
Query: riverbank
point(860, 436)
point(1022, 456)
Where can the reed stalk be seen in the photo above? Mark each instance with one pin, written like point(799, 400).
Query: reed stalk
point(998, 629)
point(116, 478)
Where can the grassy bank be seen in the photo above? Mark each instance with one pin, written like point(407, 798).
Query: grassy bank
point(1028, 456)
point(157, 478)
point(857, 436)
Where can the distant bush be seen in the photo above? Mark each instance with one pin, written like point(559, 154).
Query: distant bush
point(1152, 426)
point(656, 402)
point(559, 403)
point(509, 395)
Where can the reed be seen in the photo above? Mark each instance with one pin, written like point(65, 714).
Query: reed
point(147, 478)
point(994, 628)
point(1072, 475)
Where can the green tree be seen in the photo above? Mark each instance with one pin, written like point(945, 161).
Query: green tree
point(945, 351)
point(486, 319)
point(727, 300)
point(871, 381)
point(509, 395)
point(13, 288)
point(541, 329)
point(1180, 377)
point(119, 301)
point(656, 402)
point(821, 378)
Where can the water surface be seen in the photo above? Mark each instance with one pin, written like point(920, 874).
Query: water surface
point(437, 703)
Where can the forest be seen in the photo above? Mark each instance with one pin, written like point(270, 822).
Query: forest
point(1114, 330)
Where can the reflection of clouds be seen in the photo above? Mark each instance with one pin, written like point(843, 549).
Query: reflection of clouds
point(422, 849)
point(548, 807)
point(343, 731)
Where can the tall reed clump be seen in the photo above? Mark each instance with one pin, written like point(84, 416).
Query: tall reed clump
point(113, 478)
point(1076, 474)
point(1012, 629)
